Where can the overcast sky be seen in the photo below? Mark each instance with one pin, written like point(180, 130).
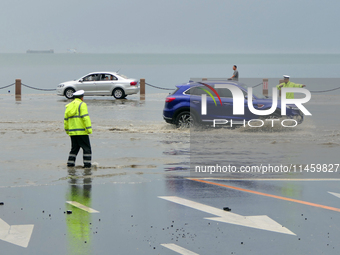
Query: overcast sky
point(171, 26)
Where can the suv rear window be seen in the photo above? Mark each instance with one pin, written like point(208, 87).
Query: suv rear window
point(197, 91)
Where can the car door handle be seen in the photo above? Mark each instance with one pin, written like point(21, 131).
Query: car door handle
point(227, 103)
point(196, 102)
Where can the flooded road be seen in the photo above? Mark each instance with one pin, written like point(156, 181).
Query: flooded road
point(141, 197)
point(129, 135)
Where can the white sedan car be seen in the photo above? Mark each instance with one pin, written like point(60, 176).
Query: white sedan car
point(100, 84)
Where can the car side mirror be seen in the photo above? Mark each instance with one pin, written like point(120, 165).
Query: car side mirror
point(81, 80)
point(246, 97)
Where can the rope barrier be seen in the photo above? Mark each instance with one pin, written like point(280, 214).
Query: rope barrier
point(257, 85)
point(37, 88)
point(321, 91)
point(157, 87)
point(7, 86)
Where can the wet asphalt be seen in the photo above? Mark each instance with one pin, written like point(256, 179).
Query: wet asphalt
point(133, 220)
point(139, 159)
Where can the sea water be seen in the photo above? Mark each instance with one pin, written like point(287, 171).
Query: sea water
point(46, 71)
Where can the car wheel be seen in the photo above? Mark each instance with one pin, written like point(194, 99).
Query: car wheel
point(298, 118)
point(185, 120)
point(274, 115)
point(118, 93)
point(69, 93)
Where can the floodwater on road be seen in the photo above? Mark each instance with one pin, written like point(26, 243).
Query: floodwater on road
point(131, 135)
point(128, 136)
point(309, 150)
point(133, 148)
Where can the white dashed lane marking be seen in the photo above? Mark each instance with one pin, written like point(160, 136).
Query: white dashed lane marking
point(83, 207)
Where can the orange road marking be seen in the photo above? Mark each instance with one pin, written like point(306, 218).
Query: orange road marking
point(268, 195)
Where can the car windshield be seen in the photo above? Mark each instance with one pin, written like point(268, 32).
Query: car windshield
point(91, 77)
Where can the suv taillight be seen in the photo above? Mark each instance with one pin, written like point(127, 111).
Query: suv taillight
point(133, 83)
point(169, 99)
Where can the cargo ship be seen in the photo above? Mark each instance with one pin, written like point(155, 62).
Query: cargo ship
point(40, 51)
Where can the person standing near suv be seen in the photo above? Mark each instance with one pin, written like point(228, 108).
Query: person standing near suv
point(235, 74)
point(288, 84)
point(77, 124)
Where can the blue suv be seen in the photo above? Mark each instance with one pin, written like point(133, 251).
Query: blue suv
point(184, 106)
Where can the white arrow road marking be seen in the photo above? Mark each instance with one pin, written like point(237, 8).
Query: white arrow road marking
point(16, 234)
point(83, 207)
point(334, 194)
point(178, 249)
point(260, 222)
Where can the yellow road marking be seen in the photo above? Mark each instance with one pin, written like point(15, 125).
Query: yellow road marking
point(268, 195)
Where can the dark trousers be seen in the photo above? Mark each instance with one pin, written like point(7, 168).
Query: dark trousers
point(77, 142)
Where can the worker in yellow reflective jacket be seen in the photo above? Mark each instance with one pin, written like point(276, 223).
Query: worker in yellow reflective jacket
point(77, 124)
point(288, 84)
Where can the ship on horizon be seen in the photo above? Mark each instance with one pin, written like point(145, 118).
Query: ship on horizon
point(72, 50)
point(40, 51)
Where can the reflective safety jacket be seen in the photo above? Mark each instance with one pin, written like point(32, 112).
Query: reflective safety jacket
point(77, 120)
point(289, 95)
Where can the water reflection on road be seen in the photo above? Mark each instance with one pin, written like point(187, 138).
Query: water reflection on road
point(79, 222)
